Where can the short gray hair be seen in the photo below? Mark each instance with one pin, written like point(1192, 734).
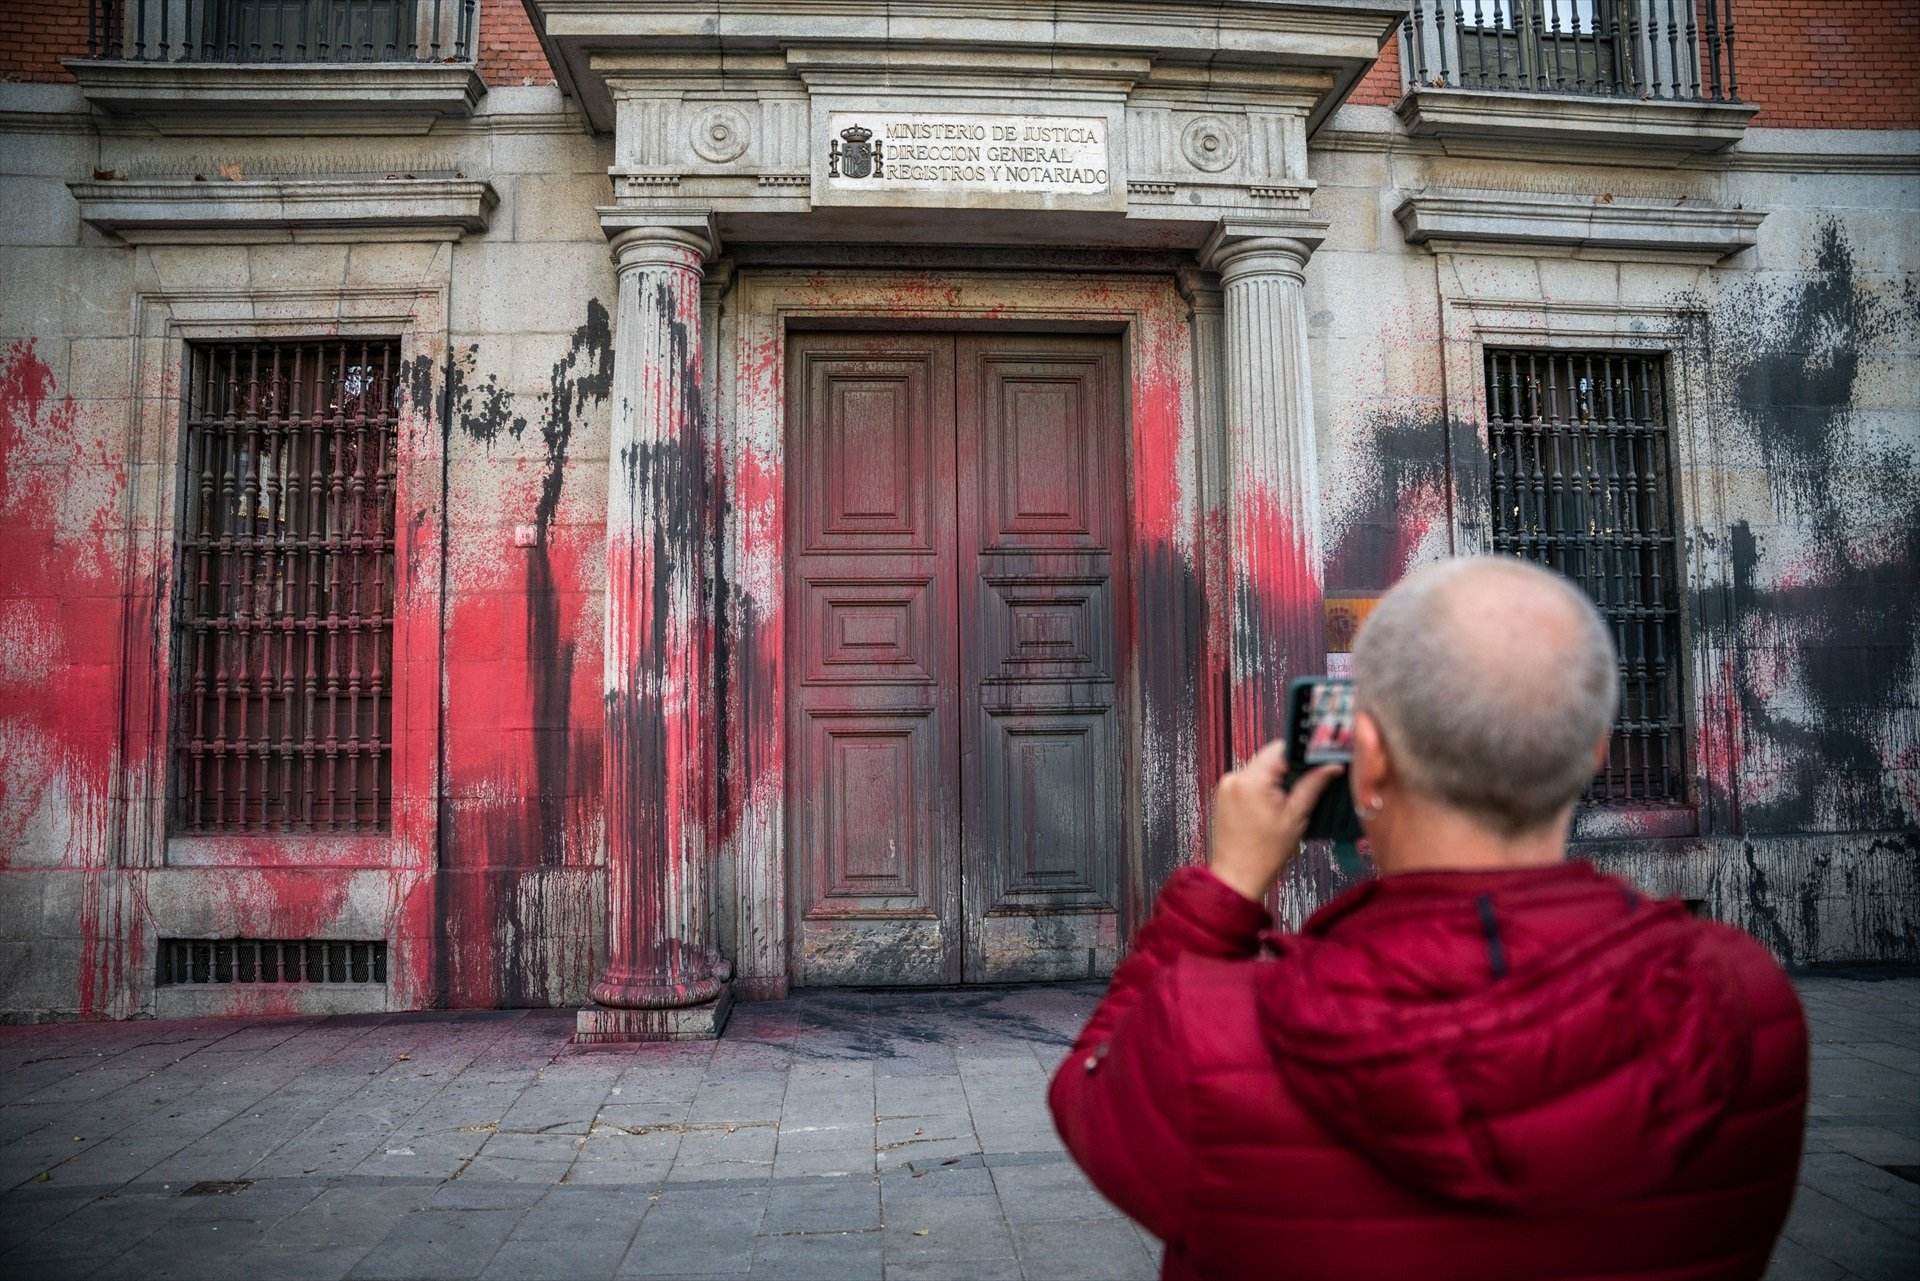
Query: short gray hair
point(1493, 680)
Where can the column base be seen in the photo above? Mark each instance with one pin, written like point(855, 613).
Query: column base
point(604, 1025)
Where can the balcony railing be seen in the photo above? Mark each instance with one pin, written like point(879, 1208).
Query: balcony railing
point(281, 31)
point(1676, 50)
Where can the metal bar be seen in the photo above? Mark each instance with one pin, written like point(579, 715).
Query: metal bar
point(1713, 48)
point(1733, 78)
point(1417, 44)
point(1693, 50)
point(1673, 50)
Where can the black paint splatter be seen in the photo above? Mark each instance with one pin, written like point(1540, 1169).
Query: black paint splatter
point(1408, 459)
point(1787, 366)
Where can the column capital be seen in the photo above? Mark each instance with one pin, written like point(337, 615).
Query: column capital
point(637, 236)
point(1199, 288)
point(1244, 246)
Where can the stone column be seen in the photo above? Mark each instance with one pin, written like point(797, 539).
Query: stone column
point(1206, 316)
point(1272, 488)
point(664, 980)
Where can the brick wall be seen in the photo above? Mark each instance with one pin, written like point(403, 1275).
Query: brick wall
point(1810, 64)
point(1380, 87)
point(36, 34)
point(1807, 64)
point(509, 51)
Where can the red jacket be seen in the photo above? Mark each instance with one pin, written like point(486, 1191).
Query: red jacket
point(1447, 1075)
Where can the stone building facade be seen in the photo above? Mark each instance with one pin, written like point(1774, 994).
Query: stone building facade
point(643, 505)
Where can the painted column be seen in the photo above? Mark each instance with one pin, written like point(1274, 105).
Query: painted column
point(1206, 314)
point(663, 980)
point(1272, 489)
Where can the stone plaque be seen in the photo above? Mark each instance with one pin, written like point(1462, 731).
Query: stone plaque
point(971, 158)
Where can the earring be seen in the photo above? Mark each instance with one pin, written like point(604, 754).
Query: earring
point(1371, 810)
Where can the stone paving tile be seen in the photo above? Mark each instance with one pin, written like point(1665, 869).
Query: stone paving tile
point(1049, 1193)
point(438, 1243)
point(697, 1232)
point(823, 1205)
point(832, 1256)
point(840, 1134)
point(342, 1216)
point(1102, 1249)
point(300, 1263)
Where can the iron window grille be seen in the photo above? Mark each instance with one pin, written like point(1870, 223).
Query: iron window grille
point(189, 961)
point(1672, 49)
point(281, 31)
point(283, 622)
point(1581, 484)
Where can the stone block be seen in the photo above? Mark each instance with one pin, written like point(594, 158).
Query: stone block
point(296, 266)
point(599, 1025)
point(548, 207)
point(39, 977)
point(100, 368)
point(509, 288)
point(1579, 280)
point(37, 211)
point(21, 905)
point(402, 264)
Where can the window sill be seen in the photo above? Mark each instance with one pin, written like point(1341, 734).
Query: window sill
point(1635, 822)
point(191, 97)
point(1679, 128)
point(342, 852)
point(1593, 226)
point(275, 210)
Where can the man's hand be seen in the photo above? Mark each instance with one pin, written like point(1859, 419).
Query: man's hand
point(1257, 823)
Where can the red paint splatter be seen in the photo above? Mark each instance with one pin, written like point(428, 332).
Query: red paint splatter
point(62, 610)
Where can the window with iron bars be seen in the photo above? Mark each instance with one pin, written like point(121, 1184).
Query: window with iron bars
point(283, 618)
point(1580, 484)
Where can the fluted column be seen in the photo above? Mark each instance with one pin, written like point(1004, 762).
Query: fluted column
point(663, 978)
point(1272, 487)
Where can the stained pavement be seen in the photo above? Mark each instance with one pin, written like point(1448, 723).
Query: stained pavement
point(836, 1135)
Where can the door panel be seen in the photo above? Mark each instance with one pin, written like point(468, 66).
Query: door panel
point(958, 573)
point(1042, 567)
point(875, 709)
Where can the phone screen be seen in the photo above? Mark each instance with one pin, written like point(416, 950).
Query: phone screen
point(1324, 722)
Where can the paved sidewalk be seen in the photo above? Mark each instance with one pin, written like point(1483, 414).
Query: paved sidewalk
point(836, 1135)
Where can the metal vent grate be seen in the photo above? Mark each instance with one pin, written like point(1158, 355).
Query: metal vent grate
point(1580, 484)
point(283, 624)
point(186, 961)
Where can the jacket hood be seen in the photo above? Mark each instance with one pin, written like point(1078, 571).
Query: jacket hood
point(1527, 1039)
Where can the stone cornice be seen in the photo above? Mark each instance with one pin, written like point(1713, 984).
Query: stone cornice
point(1334, 41)
point(1596, 225)
point(1641, 124)
point(1745, 157)
point(224, 98)
point(186, 210)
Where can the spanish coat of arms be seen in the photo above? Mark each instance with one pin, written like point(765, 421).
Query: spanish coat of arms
point(859, 157)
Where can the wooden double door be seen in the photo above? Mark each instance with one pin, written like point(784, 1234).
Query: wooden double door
point(957, 585)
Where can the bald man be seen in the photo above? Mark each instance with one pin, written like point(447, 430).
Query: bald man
point(1486, 1062)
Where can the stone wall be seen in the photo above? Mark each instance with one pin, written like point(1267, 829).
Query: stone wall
point(506, 435)
point(1799, 528)
point(1798, 517)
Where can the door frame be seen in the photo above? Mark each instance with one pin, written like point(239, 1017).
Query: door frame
point(1175, 696)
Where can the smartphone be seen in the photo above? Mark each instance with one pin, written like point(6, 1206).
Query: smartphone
point(1320, 732)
